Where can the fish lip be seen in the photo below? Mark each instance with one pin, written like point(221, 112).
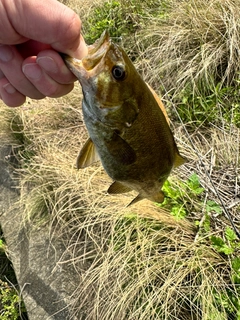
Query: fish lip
point(96, 51)
point(96, 46)
point(81, 68)
point(76, 66)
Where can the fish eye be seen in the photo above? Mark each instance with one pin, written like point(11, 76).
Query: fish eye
point(118, 73)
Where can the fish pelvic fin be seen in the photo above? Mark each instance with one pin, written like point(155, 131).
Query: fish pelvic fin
point(88, 155)
point(117, 187)
point(179, 160)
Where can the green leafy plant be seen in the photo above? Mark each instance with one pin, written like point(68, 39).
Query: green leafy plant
point(197, 109)
point(212, 206)
point(230, 246)
point(209, 105)
point(111, 16)
point(193, 185)
point(11, 305)
point(122, 18)
point(2, 246)
point(177, 194)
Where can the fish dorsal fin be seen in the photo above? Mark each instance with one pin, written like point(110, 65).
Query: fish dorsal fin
point(179, 160)
point(117, 187)
point(88, 155)
point(159, 102)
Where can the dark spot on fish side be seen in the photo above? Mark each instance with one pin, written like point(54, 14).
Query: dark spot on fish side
point(121, 150)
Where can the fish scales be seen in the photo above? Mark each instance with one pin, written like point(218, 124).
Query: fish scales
point(127, 122)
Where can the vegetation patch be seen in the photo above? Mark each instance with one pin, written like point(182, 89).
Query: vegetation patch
point(11, 304)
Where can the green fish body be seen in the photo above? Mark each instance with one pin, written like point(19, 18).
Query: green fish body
point(126, 122)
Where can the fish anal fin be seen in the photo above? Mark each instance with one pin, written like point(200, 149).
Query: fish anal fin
point(139, 197)
point(88, 155)
point(179, 160)
point(117, 187)
point(157, 197)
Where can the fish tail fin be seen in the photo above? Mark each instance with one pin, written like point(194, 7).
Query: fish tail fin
point(158, 197)
point(179, 160)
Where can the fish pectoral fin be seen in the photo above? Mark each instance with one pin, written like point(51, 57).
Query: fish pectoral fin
point(117, 187)
point(120, 149)
point(179, 160)
point(139, 197)
point(88, 155)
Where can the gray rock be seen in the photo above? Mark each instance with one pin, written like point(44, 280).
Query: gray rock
point(46, 285)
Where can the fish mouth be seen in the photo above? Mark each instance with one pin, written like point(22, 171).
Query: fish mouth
point(96, 52)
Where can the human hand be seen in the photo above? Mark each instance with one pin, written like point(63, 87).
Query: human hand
point(31, 35)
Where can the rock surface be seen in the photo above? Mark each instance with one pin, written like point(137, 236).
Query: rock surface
point(46, 285)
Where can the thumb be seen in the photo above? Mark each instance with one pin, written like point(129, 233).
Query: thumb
point(49, 22)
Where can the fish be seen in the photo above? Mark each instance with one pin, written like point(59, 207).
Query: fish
point(129, 130)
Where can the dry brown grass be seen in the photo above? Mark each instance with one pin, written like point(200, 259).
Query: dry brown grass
point(82, 8)
point(198, 43)
point(133, 263)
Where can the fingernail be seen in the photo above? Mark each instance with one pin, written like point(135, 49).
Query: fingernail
point(82, 50)
point(9, 88)
point(48, 64)
point(6, 53)
point(32, 71)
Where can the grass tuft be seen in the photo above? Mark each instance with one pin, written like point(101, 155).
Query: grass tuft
point(199, 43)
